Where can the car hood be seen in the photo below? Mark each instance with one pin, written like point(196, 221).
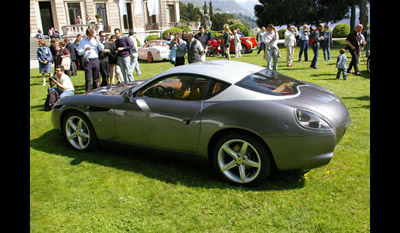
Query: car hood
point(322, 101)
point(115, 90)
point(161, 48)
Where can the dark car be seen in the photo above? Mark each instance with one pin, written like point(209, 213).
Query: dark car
point(246, 119)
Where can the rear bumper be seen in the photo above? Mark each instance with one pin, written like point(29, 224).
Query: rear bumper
point(302, 152)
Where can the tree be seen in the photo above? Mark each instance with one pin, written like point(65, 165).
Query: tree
point(364, 13)
point(219, 19)
point(298, 12)
point(205, 9)
point(189, 12)
point(211, 8)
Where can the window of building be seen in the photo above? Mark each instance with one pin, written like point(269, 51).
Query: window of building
point(74, 10)
point(101, 10)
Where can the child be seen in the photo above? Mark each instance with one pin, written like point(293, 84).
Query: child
point(341, 64)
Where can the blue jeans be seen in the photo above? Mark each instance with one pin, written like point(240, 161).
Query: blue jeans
point(262, 47)
point(327, 49)
point(60, 92)
point(344, 73)
point(124, 63)
point(315, 58)
point(272, 54)
point(303, 48)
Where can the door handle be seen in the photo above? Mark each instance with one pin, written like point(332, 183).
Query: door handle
point(188, 121)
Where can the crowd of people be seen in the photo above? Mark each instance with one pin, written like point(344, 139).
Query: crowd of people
point(98, 56)
point(316, 38)
point(118, 55)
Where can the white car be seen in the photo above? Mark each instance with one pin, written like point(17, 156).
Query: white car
point(154, 50)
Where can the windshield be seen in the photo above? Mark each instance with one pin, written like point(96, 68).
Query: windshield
point(156, 43)
point(270, 82)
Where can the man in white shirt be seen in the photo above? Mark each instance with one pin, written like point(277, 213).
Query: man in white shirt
point(134, 55)
point(290, 43)
point(89, 47)
point(63, 82)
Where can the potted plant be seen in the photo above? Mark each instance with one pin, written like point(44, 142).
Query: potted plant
point(98, 18)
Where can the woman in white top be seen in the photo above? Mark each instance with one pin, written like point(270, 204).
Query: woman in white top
point(238, 45)
point(290, 43)
point(271, 38)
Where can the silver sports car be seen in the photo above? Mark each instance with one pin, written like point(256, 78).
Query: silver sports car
point(244, 118)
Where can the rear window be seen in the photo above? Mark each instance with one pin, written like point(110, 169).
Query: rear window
point(270, 82)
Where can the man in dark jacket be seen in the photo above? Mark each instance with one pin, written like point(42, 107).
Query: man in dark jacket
point(203, 38)
point(316, 44)
point(124, 47)
point(72, 55)
point(355, 41)
point(104, 59)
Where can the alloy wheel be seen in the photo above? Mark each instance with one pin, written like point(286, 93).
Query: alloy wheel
point(239, 161)
point(77, 132)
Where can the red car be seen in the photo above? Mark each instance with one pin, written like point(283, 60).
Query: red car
point(248, 45)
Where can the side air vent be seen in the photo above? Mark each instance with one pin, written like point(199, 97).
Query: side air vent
point(97, 109)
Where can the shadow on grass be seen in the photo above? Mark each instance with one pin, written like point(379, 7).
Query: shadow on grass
point(361, 98)
point(168, 166)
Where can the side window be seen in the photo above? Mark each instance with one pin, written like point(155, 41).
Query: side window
point(215, 88)
point(179, 87)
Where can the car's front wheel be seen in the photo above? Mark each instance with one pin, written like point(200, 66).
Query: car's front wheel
point(241, 159)
point(78, 131)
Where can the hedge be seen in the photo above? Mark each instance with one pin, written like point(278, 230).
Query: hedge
point(241, 27)
point(341, 30)
point(173, 30)
point(152, 37)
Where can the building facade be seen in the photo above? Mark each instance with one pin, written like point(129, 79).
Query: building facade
point(104, 14)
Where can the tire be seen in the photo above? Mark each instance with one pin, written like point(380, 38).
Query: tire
point(149, 57)
point(244, 49)
point(79, 132)
point(368, 64)
point(241, 159)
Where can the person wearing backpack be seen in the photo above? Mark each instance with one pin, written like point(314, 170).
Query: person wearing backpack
point(315, 43)
point(63, 82)
point(227, 41)
point(64, 88)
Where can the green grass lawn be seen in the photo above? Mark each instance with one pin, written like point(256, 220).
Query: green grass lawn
point(127, 189)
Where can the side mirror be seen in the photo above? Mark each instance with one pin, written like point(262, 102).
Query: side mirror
point(127, 96)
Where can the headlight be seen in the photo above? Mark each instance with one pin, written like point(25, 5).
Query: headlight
point(311, 120)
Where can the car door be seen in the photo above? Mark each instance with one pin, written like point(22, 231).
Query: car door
point(164, 113)
point(143, 51)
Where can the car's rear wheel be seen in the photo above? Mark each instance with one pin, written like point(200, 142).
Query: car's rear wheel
point(244, 49)
point(241, 159)
point(78, 131)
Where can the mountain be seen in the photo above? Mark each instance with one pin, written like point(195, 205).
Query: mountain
point(227, 6)
point(248, 5)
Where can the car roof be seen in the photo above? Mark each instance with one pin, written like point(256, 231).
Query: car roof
point(224, 70)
